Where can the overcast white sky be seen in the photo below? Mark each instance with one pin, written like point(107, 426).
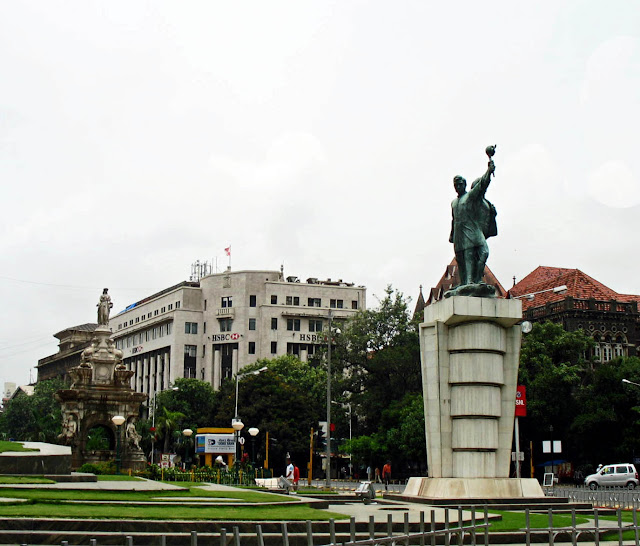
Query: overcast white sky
point(137, 137)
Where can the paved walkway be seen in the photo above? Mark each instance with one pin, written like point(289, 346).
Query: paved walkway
point(128, 485)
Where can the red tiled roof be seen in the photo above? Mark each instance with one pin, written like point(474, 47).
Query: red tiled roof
point(579, 285)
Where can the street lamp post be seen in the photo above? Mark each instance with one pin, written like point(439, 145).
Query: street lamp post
point(253, 431)
point(237, 425)
point(630, 382)
point(117, 421)
point(556, 290)
point(348, 406)
point(187, 432)
point(328, 454)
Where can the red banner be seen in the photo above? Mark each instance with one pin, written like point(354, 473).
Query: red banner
point(521, 401)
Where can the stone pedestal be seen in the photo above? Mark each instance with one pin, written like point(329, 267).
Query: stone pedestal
point(469, 351)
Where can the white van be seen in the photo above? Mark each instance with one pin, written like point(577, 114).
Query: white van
point(613, 475)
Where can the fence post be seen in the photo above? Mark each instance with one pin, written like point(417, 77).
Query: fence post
point(163, 540)
point(473, 526)
point(635, 525)
point(421, 528)
point(619, 514)
point(352, 529)
point(433, 528)
point(460, 525)
point(447, 536)
point(223, 537)
point(332, 531)
point(372, 528)
point(550, 512)
point(285, 534)
point(486, 525)
point(406, 528)
point(527, 520)
point(596, 521)
point(129, 539)
point(574, 534)
point(236, 535)
point(194, 538)
point(389, 525)
point(260, 536)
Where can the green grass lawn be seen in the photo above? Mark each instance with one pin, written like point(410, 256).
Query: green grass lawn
point(237, 495)
point(117, 478)
point(173, 512)
point(13, 446)
point(514, 521)
point(24, 479)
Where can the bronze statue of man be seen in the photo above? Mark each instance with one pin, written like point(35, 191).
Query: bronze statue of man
point(473, 221)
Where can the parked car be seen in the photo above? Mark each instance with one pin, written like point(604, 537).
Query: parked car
point(613, 475)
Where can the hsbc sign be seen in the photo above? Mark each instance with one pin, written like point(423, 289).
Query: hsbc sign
point(225, 337)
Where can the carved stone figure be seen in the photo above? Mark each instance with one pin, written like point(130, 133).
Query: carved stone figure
point(132, 435)
point(104, 307)
point(473, 221)
point(69, 428)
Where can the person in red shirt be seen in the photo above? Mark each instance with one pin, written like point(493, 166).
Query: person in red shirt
point(296, 477)
point(386, 474)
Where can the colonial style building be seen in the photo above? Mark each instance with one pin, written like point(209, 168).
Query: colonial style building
point(212, 328)
point(610, 318)
point(73, 341)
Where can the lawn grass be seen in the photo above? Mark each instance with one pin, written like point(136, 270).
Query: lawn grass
point(13, 446)
point(514, 521)
point(294, 512)
point(117, 478)
point(237, 495)
point(24, 479)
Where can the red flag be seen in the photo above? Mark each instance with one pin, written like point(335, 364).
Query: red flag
point(228, 251)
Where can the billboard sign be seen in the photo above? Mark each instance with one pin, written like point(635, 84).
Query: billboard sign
point(215, 443)
point(521, 401)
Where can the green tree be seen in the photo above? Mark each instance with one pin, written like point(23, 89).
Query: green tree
point(196, 400)
point(283, 400)
point(378, 357)
point(167, 422)
point(35, 418)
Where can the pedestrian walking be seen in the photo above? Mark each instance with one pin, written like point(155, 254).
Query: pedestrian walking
point(386, 475)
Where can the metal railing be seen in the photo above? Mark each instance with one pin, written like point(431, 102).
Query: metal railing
point(475, 532)
point(603, 497)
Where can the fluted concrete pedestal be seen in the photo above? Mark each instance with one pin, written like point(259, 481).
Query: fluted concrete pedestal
point(469, 350)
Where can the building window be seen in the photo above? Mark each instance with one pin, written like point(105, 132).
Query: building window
point(314, 302)
point(169, 328)
point(293, 300)
point(293, 325)
point(336, 304)
point(274, 323)
point(204, 327)
point(274, 300)
point(161, 332)
point(190, 327)
point(354, 304)
point(252, 324)
point(226, 301)
point(315, 325)
point(163, 310)
point(137, 319)
point(252, 347)
point(149, 315)
point(177, 305)
point(226, 324)
point(154, 332)
point(274, 347)
point(146, 335)
point(190, 361)
point(170, 306)
point(155, 313)
point(252, 300)
point(131, 322)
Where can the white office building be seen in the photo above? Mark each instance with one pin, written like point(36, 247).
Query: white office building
point(212, 328)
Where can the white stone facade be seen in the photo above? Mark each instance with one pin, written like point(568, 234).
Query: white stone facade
point(212, 328)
